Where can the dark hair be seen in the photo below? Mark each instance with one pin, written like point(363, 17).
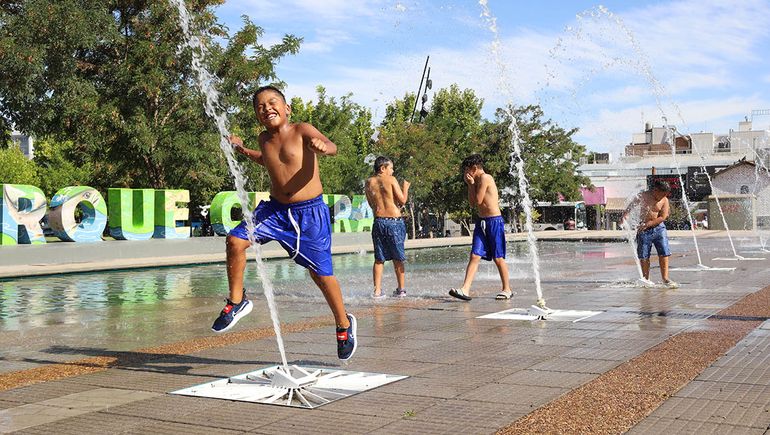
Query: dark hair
point(379, 162)
point(471, 161)
point(661, 186)
point(266, 88)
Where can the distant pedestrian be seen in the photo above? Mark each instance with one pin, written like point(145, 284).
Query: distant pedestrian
point(386, 198)
point(489, 231)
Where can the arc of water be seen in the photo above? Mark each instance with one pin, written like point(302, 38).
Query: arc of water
point(207, 85)
point(686, 203)
point(659, 91)
point(761, 165)
point(517, 160)
point(713, 193)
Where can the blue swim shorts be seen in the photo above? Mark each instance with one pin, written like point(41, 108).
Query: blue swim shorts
point(489, 238)
point(302, 228)
point(653, 236)
point(388, 235)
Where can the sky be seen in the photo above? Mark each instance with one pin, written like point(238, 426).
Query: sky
point(604, 68)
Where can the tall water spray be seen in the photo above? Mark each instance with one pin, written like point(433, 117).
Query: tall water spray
point(630, 231)
point(207, 84)
point(643, 65)
point(517, 161)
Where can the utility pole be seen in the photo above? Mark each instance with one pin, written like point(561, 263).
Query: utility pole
point(422, 80)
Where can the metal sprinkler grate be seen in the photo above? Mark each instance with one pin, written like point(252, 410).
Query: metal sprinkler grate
point(291, 386)
point(701, 268)
point(739, 258)
point(537, 313)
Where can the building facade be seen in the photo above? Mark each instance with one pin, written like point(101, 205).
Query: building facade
point(25, 143)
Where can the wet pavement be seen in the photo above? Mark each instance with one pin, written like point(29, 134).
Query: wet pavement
point(467, 375)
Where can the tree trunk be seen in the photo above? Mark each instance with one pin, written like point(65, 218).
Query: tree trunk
point(411, 212)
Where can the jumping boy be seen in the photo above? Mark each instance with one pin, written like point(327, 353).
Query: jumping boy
point(489, 231)
point(295, 215)
point(652, 229)
point(386, 197)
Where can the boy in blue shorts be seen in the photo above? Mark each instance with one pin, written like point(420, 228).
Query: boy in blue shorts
point(489, 231)
point(386, 197)
point(295, 216)
point(651, 231)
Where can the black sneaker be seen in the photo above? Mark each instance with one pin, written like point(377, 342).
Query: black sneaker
point(231, 314)
point(399, 293)
point(346, 340)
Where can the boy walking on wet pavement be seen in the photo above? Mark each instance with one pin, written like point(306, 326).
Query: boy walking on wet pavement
point(489, 231)
point(295, 215)
point(652, 229)
point(386, 197)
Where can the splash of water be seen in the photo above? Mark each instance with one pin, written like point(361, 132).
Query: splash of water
point(641, 64)
point(630, 233)
point(517, 161)
point(759, 165)
point(207, 85)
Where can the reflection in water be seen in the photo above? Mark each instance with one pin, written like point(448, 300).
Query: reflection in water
point(89, 297)
point(29, 298)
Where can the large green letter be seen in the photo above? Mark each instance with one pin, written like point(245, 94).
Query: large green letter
point(362, 215)
point(21, 209)
point(131, 213)
point(222, 205)
point(93, 209)
point(341, 210)
point(167, 214)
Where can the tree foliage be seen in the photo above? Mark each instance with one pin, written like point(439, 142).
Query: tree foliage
point(430, 154)
point(15, 168)
point(55, 166)
point(112, 97)
point(550, 155)
point(349, 126)
point(109, 76)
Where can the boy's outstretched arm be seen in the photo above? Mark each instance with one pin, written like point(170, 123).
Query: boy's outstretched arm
point(255, 155)
point(316, 141)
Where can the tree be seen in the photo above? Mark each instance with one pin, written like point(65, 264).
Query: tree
point(349, 126)
point(15, 168)
point(55, 166)
point(429, 154)
point(109, 77)
point(550, 155)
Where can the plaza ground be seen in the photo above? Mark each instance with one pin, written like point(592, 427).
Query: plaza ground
point(655, 360)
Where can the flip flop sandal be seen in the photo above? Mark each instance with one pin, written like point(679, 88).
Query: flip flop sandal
point(456, 293)
point(504, 295)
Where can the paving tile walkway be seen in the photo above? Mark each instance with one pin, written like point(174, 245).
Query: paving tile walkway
point(467, 375)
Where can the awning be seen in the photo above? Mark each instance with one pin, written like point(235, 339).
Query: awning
point(593, 198)
point(615, 204)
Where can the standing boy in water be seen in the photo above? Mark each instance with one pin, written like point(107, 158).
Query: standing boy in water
point(386, 197)
point(652, 229)
point(489, 231)
point(295, 215)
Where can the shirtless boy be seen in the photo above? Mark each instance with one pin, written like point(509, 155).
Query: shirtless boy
point(386, 197)
point(652, 229)
point(295, 216)
point(489, 232)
